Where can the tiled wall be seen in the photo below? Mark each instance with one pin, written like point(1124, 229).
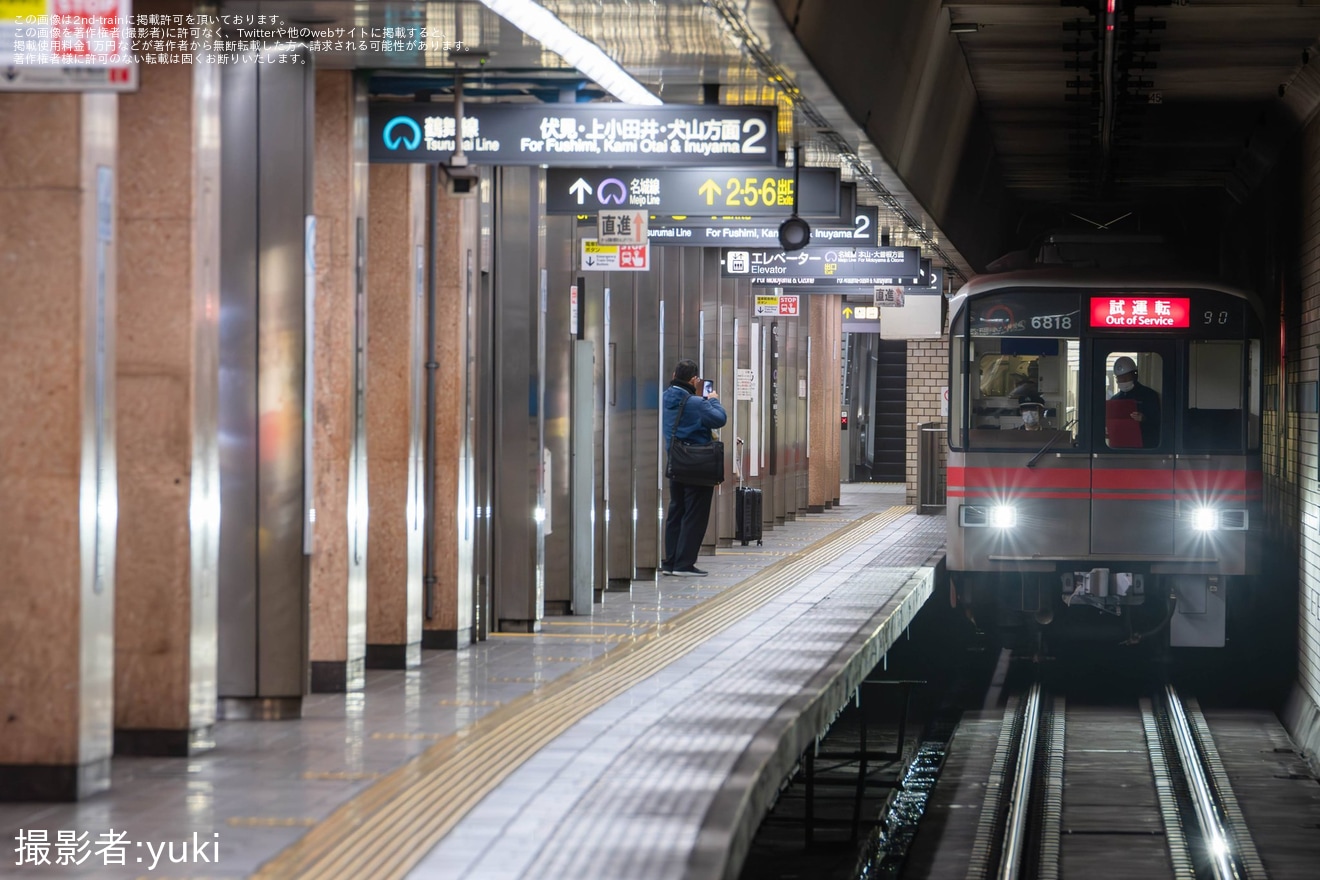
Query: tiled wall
point(1301, 499)
point(928, 374)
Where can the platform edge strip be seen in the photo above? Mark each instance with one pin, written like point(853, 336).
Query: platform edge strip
point(725, 858)
point(353, 834)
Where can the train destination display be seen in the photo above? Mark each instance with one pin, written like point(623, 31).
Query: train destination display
point(1141, 312)
point(1022, 313)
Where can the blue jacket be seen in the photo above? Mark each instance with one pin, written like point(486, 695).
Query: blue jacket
point(699, 416)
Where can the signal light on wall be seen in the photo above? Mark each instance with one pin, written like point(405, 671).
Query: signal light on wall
point(843, 420)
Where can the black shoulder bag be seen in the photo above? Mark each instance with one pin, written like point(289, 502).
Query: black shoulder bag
point(697, 464)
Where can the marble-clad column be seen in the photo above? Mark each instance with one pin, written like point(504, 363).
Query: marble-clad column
point(825, 317)
point(58, 491)
point(167, 387)
point(338, 580)
point(396, 304)
point(456, 230)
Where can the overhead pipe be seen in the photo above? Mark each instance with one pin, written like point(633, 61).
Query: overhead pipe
point(1108, 62)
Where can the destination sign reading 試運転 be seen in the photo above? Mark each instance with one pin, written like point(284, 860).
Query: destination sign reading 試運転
point(745, 192)
point(863, 231)
point(822, 266)
point(577, 135)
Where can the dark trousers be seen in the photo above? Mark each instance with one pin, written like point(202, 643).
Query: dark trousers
point(685, 523)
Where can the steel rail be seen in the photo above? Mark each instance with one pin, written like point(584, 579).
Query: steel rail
point(1218, 841)
point(1010, 861)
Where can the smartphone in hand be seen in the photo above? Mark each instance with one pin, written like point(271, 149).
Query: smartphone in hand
point(709, 387)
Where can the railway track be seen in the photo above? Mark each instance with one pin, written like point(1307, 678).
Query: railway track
point(1147, 795)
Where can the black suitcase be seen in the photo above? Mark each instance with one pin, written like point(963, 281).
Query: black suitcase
point(747, 515)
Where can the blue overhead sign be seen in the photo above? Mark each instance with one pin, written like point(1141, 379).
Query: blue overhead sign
point(577, 135)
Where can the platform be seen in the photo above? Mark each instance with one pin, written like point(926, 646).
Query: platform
point(644, 743)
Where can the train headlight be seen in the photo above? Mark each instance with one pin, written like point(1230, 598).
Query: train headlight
point(1003, 516)
point(1205, 519)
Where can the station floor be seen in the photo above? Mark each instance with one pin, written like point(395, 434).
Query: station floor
point(645, 742)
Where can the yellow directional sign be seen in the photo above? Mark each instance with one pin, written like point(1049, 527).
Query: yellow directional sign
point(710, 189)
point(17, 10)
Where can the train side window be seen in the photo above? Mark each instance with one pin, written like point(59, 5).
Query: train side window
point(1133, 399)
point(1212, 421)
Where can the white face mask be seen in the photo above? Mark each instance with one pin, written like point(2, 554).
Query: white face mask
point(1030, 417)
point(1126, 386)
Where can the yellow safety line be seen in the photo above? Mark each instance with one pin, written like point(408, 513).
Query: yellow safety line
point(588, 623)
point(546, 635)
point(387, 829)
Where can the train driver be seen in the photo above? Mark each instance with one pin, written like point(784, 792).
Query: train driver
point(1147, 409)
point(1031, 406)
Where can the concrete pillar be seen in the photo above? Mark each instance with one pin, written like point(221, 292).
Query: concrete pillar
point(167, 390)
point(456, 228)
point(396, 303)
point(57, 443)
point(338, 576)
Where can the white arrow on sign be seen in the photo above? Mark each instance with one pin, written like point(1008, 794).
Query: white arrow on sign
point(581, 189)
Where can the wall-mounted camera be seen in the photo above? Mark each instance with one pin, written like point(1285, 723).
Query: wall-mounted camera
point(462, 179)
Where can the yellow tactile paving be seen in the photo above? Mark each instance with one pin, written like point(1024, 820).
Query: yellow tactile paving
point(388, 828)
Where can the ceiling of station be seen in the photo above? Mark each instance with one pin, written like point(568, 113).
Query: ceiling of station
point(676, 48)
point(1182, 109)
point(1191, 84)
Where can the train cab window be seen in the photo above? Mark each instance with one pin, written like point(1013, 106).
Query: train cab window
point(1006, 373)
point(1133, 396)
point(1213, 418)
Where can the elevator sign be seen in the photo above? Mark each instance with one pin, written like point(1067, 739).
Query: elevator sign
point(822, 266)
point(576, 135)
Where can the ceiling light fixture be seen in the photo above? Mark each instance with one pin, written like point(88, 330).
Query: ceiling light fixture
point(543, 26)
point(964, 27)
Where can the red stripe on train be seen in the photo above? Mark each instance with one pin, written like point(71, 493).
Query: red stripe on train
point(1187, 485)
point(1018, 478)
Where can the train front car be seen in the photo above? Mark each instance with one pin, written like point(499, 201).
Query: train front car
point(1104, 473)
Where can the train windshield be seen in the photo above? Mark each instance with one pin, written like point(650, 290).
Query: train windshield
point(1126, 372)
point(1021, 388)
point(1024, 361)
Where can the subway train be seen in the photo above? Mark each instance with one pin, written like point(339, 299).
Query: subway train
point(1104, 455)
